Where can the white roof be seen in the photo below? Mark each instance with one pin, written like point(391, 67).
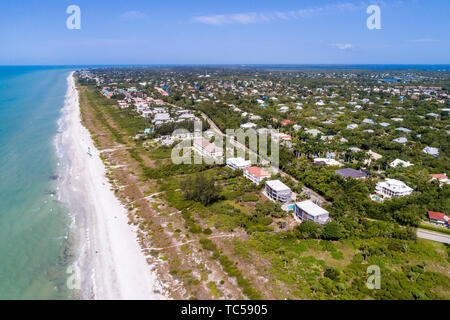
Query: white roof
point(395, 185)
point(400, 140)
point(187, 116)
point(248, 125)
point(162, 117)
point(314, 132)
point(311, 208)
point(277, 185)
point(374, 155)
point(327, 161)
point(431, 150)
point(239, 162)
point(400, 162)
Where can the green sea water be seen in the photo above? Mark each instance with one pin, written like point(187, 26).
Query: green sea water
point(34, 226)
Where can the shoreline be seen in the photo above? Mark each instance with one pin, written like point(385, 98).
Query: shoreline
point(110, 263)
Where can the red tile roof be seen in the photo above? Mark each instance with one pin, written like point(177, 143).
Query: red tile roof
point(439, 176)
point(438, 216)
point(257, 172)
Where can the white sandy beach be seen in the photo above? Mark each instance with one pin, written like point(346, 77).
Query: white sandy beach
point(111, 261)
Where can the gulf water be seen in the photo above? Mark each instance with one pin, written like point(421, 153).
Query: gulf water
point(34, 227)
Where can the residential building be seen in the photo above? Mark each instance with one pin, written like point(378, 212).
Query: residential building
point(238, 163)
point(372, 156)
point(313, 132)
point(393, 188)
point(281, 136)
point(403, 129)
point(352, 173)
point(278, 191)
point(327, 161)
point(439, 217)
point(187, 116)
point(399, 162)
point(402, 140)
point(431, 151)
point(368, 121)
point(207, 148)
point(248, 125)
point(308, 210)
point(441, 177)
point(161, 118)
point(256, 174)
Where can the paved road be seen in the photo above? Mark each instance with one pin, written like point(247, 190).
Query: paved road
point(429, 235)
point(435, 236)
point(233, 140)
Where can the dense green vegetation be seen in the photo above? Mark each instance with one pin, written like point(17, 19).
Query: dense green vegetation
point(319, 270)
point(311, 261)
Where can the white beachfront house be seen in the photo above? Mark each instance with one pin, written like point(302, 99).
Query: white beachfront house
point(390, 188)
point(308, 210)
point(256, 174)
point(238, 163)
point(207, 148)
point(278, 191)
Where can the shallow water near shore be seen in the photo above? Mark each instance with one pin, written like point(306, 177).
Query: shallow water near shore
point(35, 248)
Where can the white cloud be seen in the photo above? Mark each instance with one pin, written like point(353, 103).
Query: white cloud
point(221, 19)
point(255, 17)
point(342, 46)
point(132, 15)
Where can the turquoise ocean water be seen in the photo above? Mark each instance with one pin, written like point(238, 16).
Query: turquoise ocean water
point(34, 242)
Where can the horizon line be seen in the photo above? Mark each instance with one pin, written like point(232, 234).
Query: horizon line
point(227, 64)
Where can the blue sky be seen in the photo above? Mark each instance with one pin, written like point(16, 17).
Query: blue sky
point(224, 32)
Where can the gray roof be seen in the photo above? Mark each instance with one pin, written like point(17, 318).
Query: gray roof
point(349, 172)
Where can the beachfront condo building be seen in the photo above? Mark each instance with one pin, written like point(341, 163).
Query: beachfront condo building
point(308, 210)
point(278, 191)
point(238, 163)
